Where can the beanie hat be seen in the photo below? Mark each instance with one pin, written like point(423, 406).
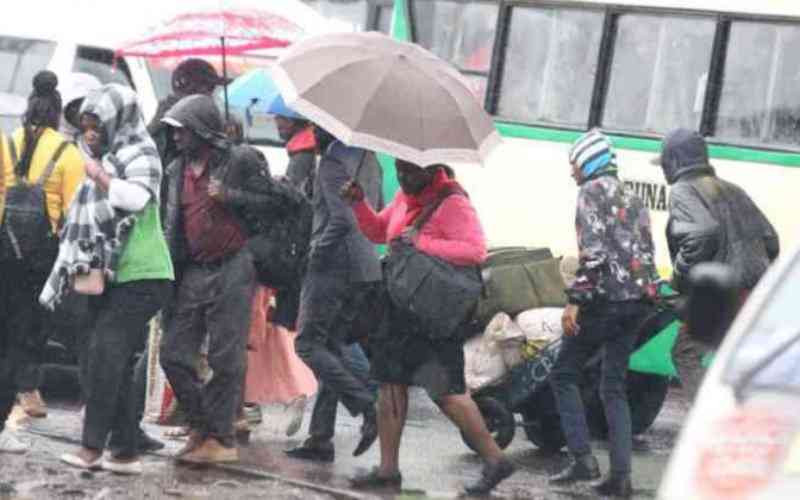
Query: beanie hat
point(593, 152)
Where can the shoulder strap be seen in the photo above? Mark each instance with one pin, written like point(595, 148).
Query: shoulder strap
point(429, 209)
point(51, 165)
point(12, 149)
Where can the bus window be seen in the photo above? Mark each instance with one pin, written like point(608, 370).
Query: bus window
point(760, 100)
point(459, 32)
point(351, 12)
point(100, 63)
point(551, 60)
point(21, 59)
point(658, 62)
point(384, 19)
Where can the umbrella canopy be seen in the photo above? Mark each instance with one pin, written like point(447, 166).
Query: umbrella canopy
point(257, 91)
point(381, 94)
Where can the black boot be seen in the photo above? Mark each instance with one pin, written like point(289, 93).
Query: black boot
point(490, 477)
point(582, 468)
point(615, 486)
point(316, 451)
point(369, 431)
point(374, 479)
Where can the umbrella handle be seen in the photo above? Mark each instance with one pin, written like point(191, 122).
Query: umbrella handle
point(224, 78)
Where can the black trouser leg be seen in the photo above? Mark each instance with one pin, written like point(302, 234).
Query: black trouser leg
point(324, 308)
point(120, 318)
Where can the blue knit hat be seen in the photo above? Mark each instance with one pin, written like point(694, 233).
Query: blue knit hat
point(593, 152)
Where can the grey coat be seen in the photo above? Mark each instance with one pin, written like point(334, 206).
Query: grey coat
point(336, 242)
point(711, 219)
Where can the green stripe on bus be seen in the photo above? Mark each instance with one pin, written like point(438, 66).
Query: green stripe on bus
point(652, 145)
point(400, 28)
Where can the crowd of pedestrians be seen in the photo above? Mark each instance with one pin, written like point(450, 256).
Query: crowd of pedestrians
point(134, 219)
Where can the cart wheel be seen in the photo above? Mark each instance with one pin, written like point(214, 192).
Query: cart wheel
point(499, 421)
point(542, 422)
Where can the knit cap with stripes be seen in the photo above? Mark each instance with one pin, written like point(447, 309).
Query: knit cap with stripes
point(592, 152)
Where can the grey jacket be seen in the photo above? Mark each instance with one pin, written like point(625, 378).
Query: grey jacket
point(336, 242)
point(711, 219)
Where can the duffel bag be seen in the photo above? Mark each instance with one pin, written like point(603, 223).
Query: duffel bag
point(517, 279)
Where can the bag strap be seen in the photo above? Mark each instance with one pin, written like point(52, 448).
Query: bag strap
point(429, 209)
point(12, 151)
point(51, 165)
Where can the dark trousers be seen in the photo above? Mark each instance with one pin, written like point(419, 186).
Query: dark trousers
point(323, 418)
point(20, 328)
point(612, 328)
point(329, 304)
point(118, 318)
point(213, 300)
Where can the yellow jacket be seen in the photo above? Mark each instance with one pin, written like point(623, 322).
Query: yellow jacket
point(62, 184)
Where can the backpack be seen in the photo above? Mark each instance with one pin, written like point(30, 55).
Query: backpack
point(25, 231)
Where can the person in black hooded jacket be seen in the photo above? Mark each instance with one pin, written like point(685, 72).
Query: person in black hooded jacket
point(710, 220)
point(215, 190)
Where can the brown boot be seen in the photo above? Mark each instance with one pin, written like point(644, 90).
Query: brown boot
point(211, 451)
point(194, 442)
point(33, 404)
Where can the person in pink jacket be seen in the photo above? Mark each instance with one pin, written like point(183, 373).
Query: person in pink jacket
point(403, 353)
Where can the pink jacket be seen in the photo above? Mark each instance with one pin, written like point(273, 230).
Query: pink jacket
point(453, 233)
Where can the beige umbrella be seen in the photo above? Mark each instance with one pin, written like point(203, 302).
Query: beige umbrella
point(381, 94)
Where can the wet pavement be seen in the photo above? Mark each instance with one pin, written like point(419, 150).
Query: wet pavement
point(434, 461)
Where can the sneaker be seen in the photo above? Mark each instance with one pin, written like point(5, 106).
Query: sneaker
point(583, 468)
point(211, 451)
point(33, 404)
point(10, 444)
point(297, 409)
point(491, 476)
point(76, 461)
point(133, 468)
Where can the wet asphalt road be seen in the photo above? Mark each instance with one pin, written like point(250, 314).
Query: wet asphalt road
point(434, 461)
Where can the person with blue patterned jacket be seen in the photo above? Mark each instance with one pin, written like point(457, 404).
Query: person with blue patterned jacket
point(606, 303)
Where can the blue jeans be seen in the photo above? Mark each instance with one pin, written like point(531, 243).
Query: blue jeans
point(612, 328)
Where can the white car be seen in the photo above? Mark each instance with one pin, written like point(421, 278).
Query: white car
point(742, 437)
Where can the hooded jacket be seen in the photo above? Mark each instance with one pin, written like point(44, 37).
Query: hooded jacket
point(244, 174)
point(711, 219)
point(615, 243)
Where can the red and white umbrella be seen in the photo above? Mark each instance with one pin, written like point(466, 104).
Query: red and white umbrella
point(215, 32)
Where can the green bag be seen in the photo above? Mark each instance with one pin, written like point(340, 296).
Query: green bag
point(517, 279)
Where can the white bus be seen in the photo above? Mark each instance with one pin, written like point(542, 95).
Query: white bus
point(548, 70)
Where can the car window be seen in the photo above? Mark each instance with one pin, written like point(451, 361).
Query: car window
point(776, 323)
point(658, 73)
point(100, 63)
point(760, 102)
point(21, 59)
point(460, 33)
point(551, 60)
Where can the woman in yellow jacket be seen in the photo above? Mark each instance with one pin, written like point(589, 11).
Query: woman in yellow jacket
point(27, 155)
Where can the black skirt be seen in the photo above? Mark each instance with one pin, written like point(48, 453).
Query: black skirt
point(404, 354)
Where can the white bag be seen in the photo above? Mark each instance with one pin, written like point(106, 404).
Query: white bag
point(541, 324)
point(483, 359)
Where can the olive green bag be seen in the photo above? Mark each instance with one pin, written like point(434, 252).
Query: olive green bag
point(516, 279)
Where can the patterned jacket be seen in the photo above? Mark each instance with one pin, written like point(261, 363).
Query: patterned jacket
point(616, 260)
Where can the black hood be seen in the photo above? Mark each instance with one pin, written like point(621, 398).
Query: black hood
point(200, 114)
point(683, 151)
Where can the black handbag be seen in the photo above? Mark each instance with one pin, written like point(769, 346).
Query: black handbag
point(441, 295)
